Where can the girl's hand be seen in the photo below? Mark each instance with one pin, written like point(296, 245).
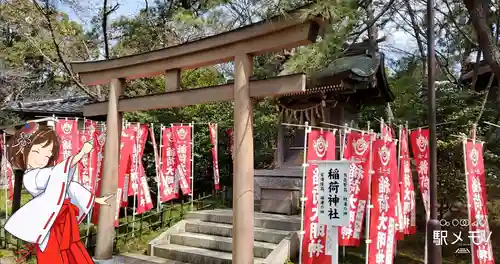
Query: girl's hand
point(102, 200)
point(87, 147)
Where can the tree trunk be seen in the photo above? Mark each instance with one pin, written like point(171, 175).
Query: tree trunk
point(478, 11)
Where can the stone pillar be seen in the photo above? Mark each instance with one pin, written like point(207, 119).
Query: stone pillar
point(173, 80)
point(109, 181)
point(243, 170)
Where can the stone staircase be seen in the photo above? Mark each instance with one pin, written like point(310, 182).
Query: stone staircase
point(205, 237)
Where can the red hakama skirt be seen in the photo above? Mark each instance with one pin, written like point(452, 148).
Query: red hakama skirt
point(64, 246)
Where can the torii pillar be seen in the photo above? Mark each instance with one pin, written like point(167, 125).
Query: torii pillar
point(243, 170)
point(109, 181)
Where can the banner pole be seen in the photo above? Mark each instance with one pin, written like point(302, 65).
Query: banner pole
point(192, 164)
point(342, 137)
point(157, 168)
point(303, 199)
point(160, 163)
point(342, 150)
point(134, 183)
point(427, 216)
point(369, 205)
point(400, 211)
point(5, 174)
point(217, 151)
point(382, 125)
point(468, 204)
point(124, 126)
point(89, 215)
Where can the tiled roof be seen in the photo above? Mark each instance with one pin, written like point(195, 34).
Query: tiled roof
point(61, 106)
point(357, 68)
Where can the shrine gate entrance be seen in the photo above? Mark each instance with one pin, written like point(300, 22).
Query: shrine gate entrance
point(239, 45)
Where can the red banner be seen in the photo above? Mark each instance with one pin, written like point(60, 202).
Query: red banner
point(7, 172)
point(100, 138)
point(420, 147)
point(230, 140)
point(84, 166)
point(11, 178)
point(400, 230)
point(357, 149)
point(384, 200)
point(168, 185)
point(68, 133)
point(89, 162)
point(144, 202)
point(159, 176)
point(344, 138)
point(127, 141)
point(321, 146)
point(407, 191)
point(182, 144)
point(136, 168)
point(215, 160)
point(388, 132)
point(95, 164)
point(479, 234)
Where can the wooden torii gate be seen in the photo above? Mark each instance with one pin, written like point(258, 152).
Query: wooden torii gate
point(240, 45)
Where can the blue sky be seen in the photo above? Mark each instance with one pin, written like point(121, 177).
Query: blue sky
point(126, 8)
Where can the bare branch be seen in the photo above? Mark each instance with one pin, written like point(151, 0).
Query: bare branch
point(415, 27)
point(105, 14)
point(372, 23)
point(457, 27)
point(48, 19)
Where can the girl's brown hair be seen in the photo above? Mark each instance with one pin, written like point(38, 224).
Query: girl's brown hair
point(24, 139)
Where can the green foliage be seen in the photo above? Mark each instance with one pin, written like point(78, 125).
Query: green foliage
point(265, 120)
point(343, 17)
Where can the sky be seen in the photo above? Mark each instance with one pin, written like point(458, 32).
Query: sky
point(90, 8)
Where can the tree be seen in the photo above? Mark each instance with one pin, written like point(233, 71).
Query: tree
point(39, 41)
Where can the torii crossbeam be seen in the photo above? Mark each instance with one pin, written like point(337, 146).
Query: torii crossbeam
point(240, 45)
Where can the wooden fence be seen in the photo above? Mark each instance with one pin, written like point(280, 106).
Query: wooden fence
point(130, 227)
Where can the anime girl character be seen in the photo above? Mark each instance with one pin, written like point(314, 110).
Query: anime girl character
point(50, 220)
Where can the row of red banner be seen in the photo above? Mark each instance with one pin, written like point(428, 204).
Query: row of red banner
point(173, 161)
point(392, 194)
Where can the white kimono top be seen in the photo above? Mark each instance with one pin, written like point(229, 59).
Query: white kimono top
point(49, 187)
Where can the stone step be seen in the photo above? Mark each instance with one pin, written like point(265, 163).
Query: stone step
point(133, 258)
point(219, 243)
point(195, 255)
point(226, 230)
point(262, 220)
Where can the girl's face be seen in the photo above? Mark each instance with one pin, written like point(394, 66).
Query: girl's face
point(40, 155)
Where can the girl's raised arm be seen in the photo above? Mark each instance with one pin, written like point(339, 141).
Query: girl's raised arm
point(86, 149)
